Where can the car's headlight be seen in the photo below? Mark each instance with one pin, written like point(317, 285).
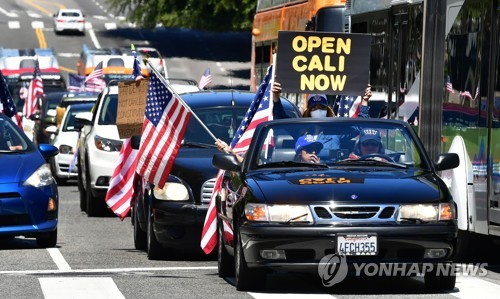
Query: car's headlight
point(41, 177)
point(426, 212)
point(108, 145)
point(278, 213)
point(172, 191)
point(65, 149)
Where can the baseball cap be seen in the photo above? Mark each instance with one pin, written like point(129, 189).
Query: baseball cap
point(307, 140)
point(315, 99)
point(369, 134)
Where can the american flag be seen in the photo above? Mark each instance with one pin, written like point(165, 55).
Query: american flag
point(136, 72)
point(124, 178)
point(206, 79)
point(477, 91)
point(449, 87)
point(261, 110)
point(466, 94)
point(35, 90)
point(95, 85)
point(8, 107)
point(162, 132)
point(76, 82)
point(121, 185)
point(349, 106)
point(96, 73)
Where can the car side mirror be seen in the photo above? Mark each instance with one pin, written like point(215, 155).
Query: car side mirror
point(447, 161)
point(226, 162)
point(84, 118)
point(135, 142)
point(48, 150)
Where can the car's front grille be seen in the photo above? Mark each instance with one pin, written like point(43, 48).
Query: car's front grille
point(206, 190)
point(353, 213)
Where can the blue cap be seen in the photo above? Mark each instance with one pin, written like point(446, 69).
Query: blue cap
point(370, 134)
point(315, 99)
point(307, 140)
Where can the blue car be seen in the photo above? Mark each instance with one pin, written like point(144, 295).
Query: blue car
point(29, 200)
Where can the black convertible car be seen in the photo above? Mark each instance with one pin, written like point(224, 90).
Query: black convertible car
point(374, 197)
point(173, 217)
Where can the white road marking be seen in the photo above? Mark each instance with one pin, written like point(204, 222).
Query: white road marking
point(37, 24)
point(110, 26)
point(90, 271)
point(80, 287)
point(14, 25)
point(68, 55)
point(473, 287)
point(34, 15)
point(93, 37)
point(57, 257)
point(9, 14)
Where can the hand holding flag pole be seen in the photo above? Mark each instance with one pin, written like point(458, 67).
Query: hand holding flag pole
point(164, 81)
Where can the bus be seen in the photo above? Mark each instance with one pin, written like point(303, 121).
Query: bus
point(470, 100)
point(293, 15)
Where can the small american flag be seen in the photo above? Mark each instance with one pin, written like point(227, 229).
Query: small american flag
point(349, 106)
point(35, 90)
point(466, 94)
point(95, 85)
point(8, 107)
point(477, 91)
point(260, 111)
point(96, 73)
point(136, 71)
point(449, 87)
point(76, 82)
point(162, 132)
point(206, 79)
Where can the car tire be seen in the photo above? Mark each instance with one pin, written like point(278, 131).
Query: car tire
point(440, 282)
point(225, 262)
point(140, 236)
point(247, 279)
point(48, 239)
point(154, 248)
point(81, 189)
point(94, 205)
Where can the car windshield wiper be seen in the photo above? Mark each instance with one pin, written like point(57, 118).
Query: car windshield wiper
point(198, 144)
point(293, 164)
point(370, 162)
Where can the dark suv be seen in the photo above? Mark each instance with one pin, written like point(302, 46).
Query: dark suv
point(176, 224)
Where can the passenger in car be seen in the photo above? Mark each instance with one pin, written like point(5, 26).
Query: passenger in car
point(307, 149)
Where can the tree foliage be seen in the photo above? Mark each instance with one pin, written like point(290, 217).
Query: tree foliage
point(209, 15)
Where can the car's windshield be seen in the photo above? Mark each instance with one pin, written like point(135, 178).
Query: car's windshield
point(109, 109)
point(221, 121)
point(11, 139)
point(339, 144)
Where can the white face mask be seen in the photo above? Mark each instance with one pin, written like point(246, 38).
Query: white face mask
point(318, 113)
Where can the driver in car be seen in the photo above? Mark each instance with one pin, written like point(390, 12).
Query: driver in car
point(370, 143)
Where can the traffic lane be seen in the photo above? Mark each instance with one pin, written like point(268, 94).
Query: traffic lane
point(23, 254)
point(106, 242)
point(20, 286)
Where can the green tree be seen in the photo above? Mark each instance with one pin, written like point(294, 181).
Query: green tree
point(209, 15)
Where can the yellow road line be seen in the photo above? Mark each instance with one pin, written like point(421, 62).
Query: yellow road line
point(42, 9)
point(41, 37)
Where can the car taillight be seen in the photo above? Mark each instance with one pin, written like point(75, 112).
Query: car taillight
point(81, 21)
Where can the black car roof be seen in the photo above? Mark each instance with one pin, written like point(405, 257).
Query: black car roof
point(212, 98)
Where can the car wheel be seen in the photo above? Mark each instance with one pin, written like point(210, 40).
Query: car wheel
point(155, 250)
point(48, 239)
point(140, 236)
point(246, 279)
point(94, 205)
point(440, 282)
point(81, 189)
point(225, 262)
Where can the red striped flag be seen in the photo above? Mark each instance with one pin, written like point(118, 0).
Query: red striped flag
point(466, 94)
point(8, 107)
point(121, 185)
point(261, 110)
point(35, 90)
point(162, 132)
point(96, 73)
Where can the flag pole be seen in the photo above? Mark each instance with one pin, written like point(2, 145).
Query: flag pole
point(164, 81)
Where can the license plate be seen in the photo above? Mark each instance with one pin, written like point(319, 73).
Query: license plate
point(357, 244)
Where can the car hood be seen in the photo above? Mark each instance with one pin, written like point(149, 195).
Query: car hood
point(196, 162)
point(397, 186)
point(18, 167)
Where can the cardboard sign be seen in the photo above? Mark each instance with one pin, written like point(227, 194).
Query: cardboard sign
point(323, 62)
point(131, 106)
